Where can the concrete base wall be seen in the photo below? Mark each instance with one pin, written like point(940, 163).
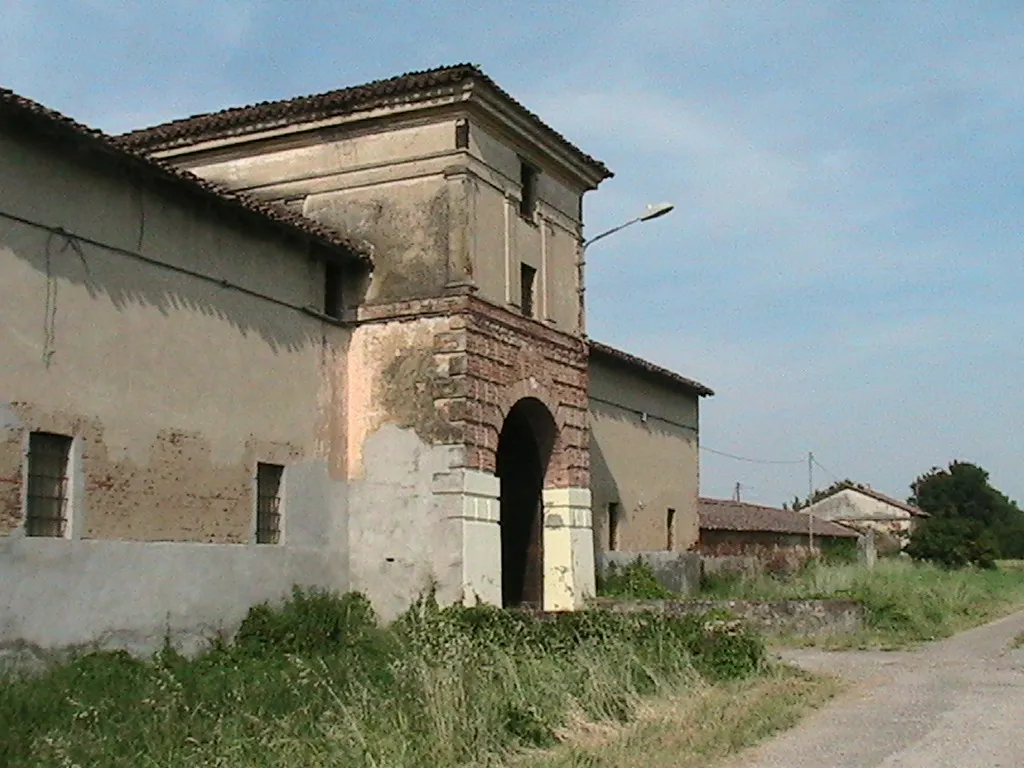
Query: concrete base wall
point(402, 542)
point(677, 571)
point(60, 594)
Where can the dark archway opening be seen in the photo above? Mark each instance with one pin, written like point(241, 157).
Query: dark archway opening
point(524, 448)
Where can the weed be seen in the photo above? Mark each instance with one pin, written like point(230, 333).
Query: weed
point(904, 601)
point(635, 581)
point(316, 681)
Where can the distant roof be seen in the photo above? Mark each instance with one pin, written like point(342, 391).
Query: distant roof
point(632, 361)
point(879, 496)
point(268, 114)
point(725, 515)
point(43, 122)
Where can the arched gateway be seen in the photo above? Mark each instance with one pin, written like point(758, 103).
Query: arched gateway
point(524, 450)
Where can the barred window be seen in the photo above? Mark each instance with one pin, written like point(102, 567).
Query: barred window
point(268, 503)
point(47, 497)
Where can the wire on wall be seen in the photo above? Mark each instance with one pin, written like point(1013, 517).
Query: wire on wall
point(74, 241)
point(645, 416)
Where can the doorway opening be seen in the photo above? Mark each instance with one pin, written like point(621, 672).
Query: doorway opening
point(524, 449)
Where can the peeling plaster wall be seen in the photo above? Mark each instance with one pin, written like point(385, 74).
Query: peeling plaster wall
point(382, 185)
point(402, 542)
point(644, 467)
point(433, 213)
point(444, 351)
point(402, 539)
point(172, 388)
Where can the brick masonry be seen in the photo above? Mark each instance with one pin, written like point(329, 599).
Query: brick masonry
point(488, 359)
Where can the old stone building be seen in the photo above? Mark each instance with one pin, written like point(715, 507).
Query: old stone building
point(775, 537)
point(365, 367)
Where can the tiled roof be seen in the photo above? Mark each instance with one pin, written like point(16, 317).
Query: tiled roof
point(597, 348)
point(41, 121)
point(725, 515)
point(268, 114)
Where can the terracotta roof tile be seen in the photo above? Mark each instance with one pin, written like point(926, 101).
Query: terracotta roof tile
point(41, 121)
point(597, 348)
point(725, 515)
point(268, 114)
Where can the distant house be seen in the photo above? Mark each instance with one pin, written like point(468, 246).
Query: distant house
point(738, 528)
point(865, 509)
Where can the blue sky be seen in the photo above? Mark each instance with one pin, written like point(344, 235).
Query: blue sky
point(844, 265)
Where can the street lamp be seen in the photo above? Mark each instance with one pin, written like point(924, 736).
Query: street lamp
point(653, 212)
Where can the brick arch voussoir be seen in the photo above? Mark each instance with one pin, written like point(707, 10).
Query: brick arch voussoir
point(531, 387)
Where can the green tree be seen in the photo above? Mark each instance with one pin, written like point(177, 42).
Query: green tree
point(970, 521)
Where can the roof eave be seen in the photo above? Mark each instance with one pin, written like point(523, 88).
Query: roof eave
point(40, 120)
point(417, 88)
point(633, 362)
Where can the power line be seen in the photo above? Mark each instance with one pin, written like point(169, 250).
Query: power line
point(747, 458)
point(825, 469)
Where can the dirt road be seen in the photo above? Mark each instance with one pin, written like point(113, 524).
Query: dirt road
point(956, 703)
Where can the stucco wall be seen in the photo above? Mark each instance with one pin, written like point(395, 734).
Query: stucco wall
point(434, 213)
point(645, 466)
point(864, 513)
point(504, 239)
point(172, 387)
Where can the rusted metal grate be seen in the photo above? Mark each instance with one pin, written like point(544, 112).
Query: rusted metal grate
point(46, 500)
point(268, 503)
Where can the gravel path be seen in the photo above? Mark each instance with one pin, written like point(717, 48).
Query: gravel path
point(957, 702)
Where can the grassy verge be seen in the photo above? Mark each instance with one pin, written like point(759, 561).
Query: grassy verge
point(905, 602)
point(708, 725)
point(318, 682)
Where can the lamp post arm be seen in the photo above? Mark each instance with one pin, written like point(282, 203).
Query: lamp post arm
point(611, 231)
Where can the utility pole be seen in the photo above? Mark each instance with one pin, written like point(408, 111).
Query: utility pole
point(810, 492)
point(737, 493)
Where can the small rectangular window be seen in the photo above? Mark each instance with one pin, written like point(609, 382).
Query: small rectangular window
point(528, 187)
point(333, 282)
point(268, 503)
point(47, 496)
point(462, 134)
point(613, 526)
point(527, 288)
point(670, 530)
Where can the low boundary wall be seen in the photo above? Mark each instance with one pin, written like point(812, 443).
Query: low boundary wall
point(773, 617)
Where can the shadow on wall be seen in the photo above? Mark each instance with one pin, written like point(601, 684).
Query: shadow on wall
point(604, 491)
point(126, 280)
point(652, 424)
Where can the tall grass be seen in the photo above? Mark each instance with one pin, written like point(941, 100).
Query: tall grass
point(905, 601)
point(318, 682)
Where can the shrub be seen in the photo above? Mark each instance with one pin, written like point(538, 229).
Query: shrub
point(954, 542)
point(634, 581)
point(313, 621)
point(839, 551)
